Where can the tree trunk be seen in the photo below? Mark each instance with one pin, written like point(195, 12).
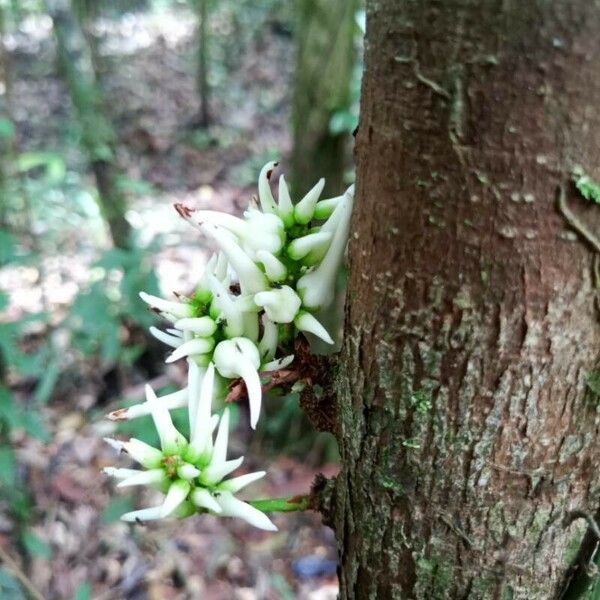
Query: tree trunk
point(324, 44)
point(98, 137)
point(468, 436)
point(203, 119)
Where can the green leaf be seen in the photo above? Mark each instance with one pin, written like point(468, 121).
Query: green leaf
point(53, 164)
point(7, 247)
point(117, 507)
point(8, 409)
point(10, 587)
point(587, 187)
point(35, 545)
point(8, 467)
point(32, 422)
point(7, 129)
point(84, 592)
point(46, 384)
point(342, 121)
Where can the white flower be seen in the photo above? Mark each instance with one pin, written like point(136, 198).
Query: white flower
point(193, 347)
point(269, 340)
point(257, 231)
point(172, 401)
point(250, 276)
point(307, 322)
point(202, 326)
point(265, 195)
point(275, 270)
point(281, 305)
point(313, 242)
point(194, 476)
point(324, 208)
point(305, 209)
point(239, 357)
point(171, 310)
point(171, 441)
point(316, 288)
point(285, 208)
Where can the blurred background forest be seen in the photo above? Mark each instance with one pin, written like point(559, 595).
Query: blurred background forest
point(110, 112)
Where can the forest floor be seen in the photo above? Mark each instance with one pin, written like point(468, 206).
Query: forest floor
point(148, 77)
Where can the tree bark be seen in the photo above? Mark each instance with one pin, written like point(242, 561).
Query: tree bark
point(201, 7)
point(324, 44)
point(469, 439)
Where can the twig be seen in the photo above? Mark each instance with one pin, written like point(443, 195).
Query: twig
point(574, 222)
point(293, 504)
point(19, 574)
point(580, 514)
point(461, 534)
point(436, 87)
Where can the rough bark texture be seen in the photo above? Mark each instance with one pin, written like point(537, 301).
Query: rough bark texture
point(466, 429)
point(324, 40)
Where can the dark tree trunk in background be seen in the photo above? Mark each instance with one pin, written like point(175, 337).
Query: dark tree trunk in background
point(201, 7)
point(467, 434)
point(98, 137)
point(324, 44)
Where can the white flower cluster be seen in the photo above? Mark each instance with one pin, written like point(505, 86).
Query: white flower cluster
point(273, 270)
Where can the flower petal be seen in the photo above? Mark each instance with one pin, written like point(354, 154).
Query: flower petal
point(316, 288)
point(165, 338)
point(201, 428)
point(191, 347)
point(274, 268)
point(172, 401)
point(144, 514)
point(281, 305)
point(269, 340)
point(237, 483)
point(213, 474)
point(202, 498)
point(307, 322)
point(171, 441)
point(312, 242)
point(178, 309)
point(141, 452)
point(265, 195)
point(118, 473)
point(279, 363)
point(232, 507)
point(176, 495)
point(305, 209)
point(187, 471)
point(251, 278)
point(203, 326)
point(219, 455)
point(324, 208)
point(286, 208)
point(151, 477)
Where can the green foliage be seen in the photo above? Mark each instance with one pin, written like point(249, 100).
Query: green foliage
point(421, 401)
point(35, 545)
point(593, 384)
point(84, 592)
point(116, 507)
point(10, 587)
point(587, 187)
point(96, 316)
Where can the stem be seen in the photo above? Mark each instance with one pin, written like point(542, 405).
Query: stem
point(12, 566)
point(289, 504)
